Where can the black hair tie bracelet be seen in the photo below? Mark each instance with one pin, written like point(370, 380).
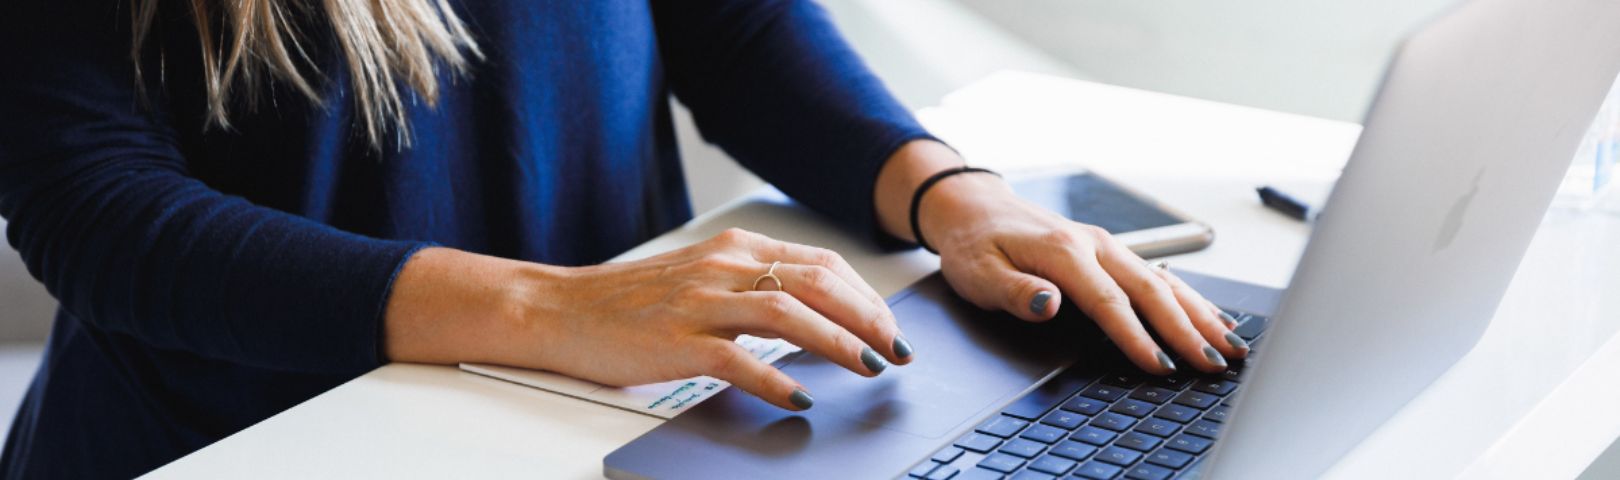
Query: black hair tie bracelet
point(916, 199)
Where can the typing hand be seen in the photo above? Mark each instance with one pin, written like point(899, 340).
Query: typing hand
point(1001, 252)
point(663, 318)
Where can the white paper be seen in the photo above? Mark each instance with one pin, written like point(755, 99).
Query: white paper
point(663, 400)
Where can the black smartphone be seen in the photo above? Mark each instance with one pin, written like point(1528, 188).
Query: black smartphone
point(1148, 227)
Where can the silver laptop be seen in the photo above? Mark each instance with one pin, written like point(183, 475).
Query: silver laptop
point(1477, 121)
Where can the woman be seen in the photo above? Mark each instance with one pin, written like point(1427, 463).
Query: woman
point(242, 204)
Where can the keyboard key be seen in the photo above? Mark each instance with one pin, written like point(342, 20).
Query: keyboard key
point(1123, 380)
point(1234, 373)
point(1113, 421)
point(1001, 462)
point(947, 454)
point(1251, 327)
point(1119, 456)
point(1048, 395)
point(1190, 443)
point(1093, 435)
point(1169, 458)
point(1148, 472)
point(1217, 387)
point(1158, 427)
point(1106, 393)
point(1219, 414)
point(1199, 400)
point(1085, 405)
point(944, 472)
point(1173, 382)
point(1044, 433)
point(1204, 428)
point(978, 442)
point(923, 469)
point(1002, 426)
point(1152, 394)
point(979, 474)
point(1073, 450)
point(1031, 475)
point(1097, 471)
point(1023, 448)
point(1052, 464)
point(1138, 441)
point(1132, 407)
point(1179, 413)
point(1064, 419)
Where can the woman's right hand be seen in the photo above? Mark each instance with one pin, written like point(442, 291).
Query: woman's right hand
point(667, 317)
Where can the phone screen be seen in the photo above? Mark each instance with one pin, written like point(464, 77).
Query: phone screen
point(1088, 198)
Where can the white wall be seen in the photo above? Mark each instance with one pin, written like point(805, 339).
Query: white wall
point(1314, 57)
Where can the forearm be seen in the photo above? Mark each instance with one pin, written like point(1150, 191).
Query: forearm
point(450, 306)
point(957, 196)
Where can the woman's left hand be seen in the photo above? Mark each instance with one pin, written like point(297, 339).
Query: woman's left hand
point(1001, 252)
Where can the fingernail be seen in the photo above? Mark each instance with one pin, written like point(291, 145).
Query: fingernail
point(1037, 305)
point(1236, 341)
point(873, 361)
point(1214, 356)
point(1164, 361)
point(801, 399)
point(1230, 322)
point(902, 348)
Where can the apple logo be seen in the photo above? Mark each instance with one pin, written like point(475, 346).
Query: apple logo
point(1454, 217)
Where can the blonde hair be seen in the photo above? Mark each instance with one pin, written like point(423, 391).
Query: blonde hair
point(385, 42)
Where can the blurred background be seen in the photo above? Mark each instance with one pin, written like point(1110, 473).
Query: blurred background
point(1321, 58)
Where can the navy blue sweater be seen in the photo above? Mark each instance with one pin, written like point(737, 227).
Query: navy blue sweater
point(211, 278)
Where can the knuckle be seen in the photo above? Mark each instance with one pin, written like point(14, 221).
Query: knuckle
point(821, 279)
point(1109, 299)
point(776, 306)
point(1062, 237)
point(719, 360)
point(734, 235)
point(826, 258)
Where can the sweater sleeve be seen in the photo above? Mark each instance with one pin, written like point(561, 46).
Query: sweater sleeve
point(101, 206)
point(774, 84)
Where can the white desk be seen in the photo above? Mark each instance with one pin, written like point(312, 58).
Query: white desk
point(1523, 399)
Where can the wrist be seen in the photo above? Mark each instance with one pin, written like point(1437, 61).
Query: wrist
point(947, 210)
point(450, 306)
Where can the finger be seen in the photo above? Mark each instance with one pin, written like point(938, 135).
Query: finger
point(727, 361)
point(1077, 273)
point(767, 250)
point(828, 294)
point(782, 315)
point(1154, 298)
point(1226, 318)
point(789, 252)
point(1204, 318)
point(991, 281)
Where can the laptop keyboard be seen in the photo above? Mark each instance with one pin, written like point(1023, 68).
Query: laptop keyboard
point(1091, 424)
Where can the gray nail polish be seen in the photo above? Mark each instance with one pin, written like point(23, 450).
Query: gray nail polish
point(801, 399)
point(1164, 361)
point(1236, 341)
point(1037, 305)
point(1214, 356)
point(873, 362)
point(902, 348)
point(1230, 322)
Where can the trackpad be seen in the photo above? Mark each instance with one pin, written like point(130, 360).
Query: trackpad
point(968, 360)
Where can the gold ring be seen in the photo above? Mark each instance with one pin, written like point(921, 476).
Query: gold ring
point(770, 273)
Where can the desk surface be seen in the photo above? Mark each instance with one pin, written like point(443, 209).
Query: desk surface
point(1525, 400)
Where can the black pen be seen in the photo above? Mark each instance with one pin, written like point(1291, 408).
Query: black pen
point(1282, 203)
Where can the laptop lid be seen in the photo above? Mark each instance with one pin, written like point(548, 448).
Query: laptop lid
point(1478, 119)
